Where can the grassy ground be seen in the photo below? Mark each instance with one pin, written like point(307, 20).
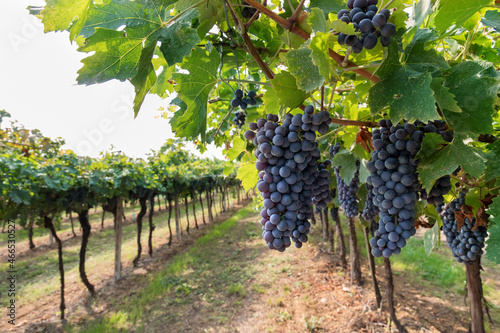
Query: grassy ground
point(39, 271)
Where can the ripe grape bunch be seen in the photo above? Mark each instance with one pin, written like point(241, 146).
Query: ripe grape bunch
point(321, 192)
point(239, 118)
point(347, 193)
point(366, 19)
point(287, 154)
point(241, 101)
point(247, 11)
point(370, 211)
point(393, 175)
point(465, 244)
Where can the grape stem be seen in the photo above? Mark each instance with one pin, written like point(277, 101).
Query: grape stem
point(385, 6)
point(251, 82)
point(223, 120)
point(346, 58)
point(348, 122)
point(255, 16)
point(296, 12)
point(303, 34)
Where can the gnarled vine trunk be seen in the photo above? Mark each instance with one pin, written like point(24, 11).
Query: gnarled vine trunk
point(30, 236)
point(169, 218)
point(72, 226)
point(178, 229)
point(193, 202)
point(118, 238)
point(151, 225)
point(330, 231)
point(140, 216)
point(83, 218)
point(187, 212)
point(475, 295)
point(49, 225)
point(390, 296)
point(378, 296)
point(354, 253)
point(340, 235)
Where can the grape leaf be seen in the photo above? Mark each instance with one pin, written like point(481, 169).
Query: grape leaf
point(239, 146)
point(177, 39)
point(475, 92)
point(492, 19)
point(444, 98)
point(316, 20)
point(457, 12)
point(288, 93)
point(301, 66)
point(58, 15)
point(431, 238)
point(493, 163)
point(116, 55)
point(116, 13)
point(431, 143)
point(319, 45)
point(248, 175)
point(421, 59)
point(340, 26)
point(493, 248)
point(145, 77)
point(328, 6)
point(445, 161)
point(405, 91)
point(194, 89)
point(420, 11)
point(347, 163)
point(271, 101)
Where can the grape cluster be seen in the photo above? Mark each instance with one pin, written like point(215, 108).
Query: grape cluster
point(241, 101)
point(321, 190)
point(393, 175)
point(287, 156)
point(347, 193)
point(247, 11)
point(370, 211)
point(465, 244)
point(239, 118)
point(369, 22)
point(334, 213)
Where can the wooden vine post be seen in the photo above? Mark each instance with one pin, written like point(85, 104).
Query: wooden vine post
point(118, 238)
point(475, 295)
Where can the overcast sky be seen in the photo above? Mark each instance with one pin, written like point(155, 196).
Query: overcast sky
point(38, 88)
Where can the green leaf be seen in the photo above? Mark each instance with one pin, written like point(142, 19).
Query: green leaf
point(492, 19)
point(248, 175)
point(301, 66)
point(347, 162)
point(116, 13)
point(145, 77)
point(179, 38)
point(239, 146)
point(194, 89)
point(421, 10)
point(457, 12)
point(444, 98)
point(162, 85)
point(319, 45)
point(475, 92)
point(493, 244)
point(431, 238)
point(289, 95)
point(405, 91)
point(271, 101)
point(328, 6)
point(317, 20)
point(430, 144)
point(421, 59)
point(493, 163)
point(116, 56)
point(445, 161)
point(340, 26)
point(58, 15)
point(228, 168)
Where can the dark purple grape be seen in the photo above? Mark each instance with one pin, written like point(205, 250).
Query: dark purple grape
point(350, 4)
point(351, 40)
point(341, 13)
point(341, 38)
point(385, 41)
point(365, 25)
point(388, 30)
point(360, 4)
point(379, 20)
point(238, 94)
point(359, 17)
point(386, 12)
point(358, 47)
point(252, 94)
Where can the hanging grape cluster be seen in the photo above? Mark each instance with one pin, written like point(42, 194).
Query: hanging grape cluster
point(465, 243)
point(321, 192)
point(370, 211)
point(241, 101)
point(366, 19)
point(287, 155)
point(347, 193)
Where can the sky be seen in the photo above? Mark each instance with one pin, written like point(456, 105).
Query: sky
point(38, 88)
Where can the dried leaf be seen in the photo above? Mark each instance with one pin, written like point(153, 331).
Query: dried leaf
point(464, 212)
point(364, 138)
point(481, 218)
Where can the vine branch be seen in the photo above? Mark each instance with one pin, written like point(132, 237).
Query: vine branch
point(303, 34)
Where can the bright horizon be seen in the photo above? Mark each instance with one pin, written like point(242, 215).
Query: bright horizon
point(38, 83)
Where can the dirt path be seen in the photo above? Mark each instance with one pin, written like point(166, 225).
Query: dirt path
point(235, 284)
